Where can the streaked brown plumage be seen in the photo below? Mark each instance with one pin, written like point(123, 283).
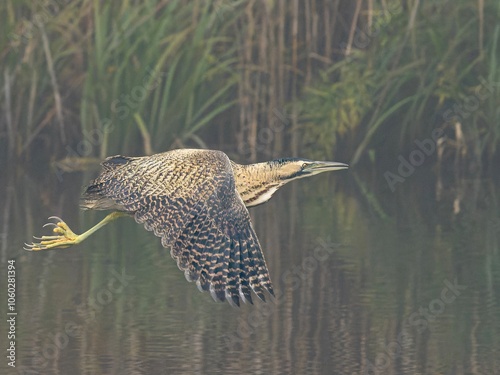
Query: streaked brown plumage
point(195, 201)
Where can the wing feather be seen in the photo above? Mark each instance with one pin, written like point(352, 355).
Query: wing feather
point(188, 198)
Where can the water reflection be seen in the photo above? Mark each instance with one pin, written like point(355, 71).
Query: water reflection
point(363, 287)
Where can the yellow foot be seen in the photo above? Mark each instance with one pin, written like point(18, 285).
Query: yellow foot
point(64, 238)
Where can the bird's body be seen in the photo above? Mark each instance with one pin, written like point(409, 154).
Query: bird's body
point(196, 202)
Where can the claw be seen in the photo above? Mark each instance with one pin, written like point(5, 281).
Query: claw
point(33, 247)
point(56, 217)
point(28, 247)
point(64, 237)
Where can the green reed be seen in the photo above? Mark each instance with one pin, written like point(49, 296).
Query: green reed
point(415, 74)
point(92, 78)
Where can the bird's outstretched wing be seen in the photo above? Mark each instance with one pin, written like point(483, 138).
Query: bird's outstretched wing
point(189, 199)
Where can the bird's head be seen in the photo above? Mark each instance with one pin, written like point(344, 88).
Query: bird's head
point(289, 169)
point(256, 183)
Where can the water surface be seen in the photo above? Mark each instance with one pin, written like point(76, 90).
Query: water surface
point(367, 281)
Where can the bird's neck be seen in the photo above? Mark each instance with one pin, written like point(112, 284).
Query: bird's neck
point(256, 183)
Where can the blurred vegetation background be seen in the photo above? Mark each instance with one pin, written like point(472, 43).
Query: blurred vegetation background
point(353, 80)
point(363, 82)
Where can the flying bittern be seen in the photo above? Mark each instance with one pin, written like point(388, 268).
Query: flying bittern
point(196, 202)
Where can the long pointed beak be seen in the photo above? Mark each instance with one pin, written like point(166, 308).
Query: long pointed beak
point(323, 166)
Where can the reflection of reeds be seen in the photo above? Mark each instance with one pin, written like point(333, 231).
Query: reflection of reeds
point(343, 313)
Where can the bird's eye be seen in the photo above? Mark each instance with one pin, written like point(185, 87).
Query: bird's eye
point(304, 165)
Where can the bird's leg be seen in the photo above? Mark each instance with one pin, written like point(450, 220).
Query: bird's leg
point(65, 237)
